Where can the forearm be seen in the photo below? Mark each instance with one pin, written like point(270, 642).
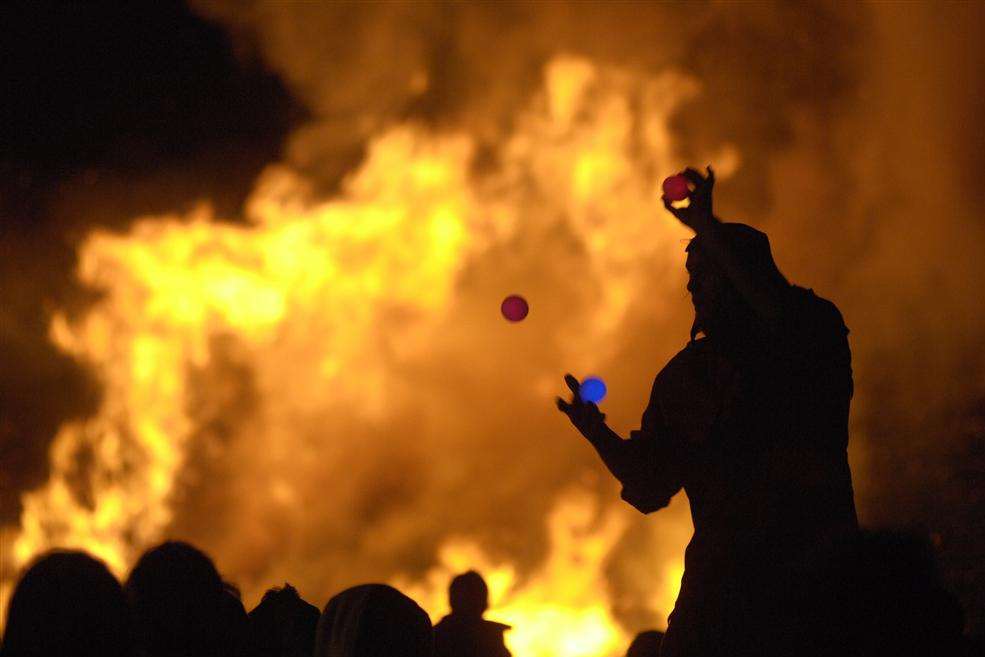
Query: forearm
point(613, 450)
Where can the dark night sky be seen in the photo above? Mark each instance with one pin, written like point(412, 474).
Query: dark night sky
point(128, 89)
point(124, 109)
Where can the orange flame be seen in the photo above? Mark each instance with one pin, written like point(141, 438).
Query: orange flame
point(561, 610)
point(306, 287)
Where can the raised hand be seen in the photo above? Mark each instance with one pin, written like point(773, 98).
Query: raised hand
point(584, 415)
point(698, 215)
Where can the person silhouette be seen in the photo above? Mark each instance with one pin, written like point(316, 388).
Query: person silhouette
point(908, 610)
point(181, 606)
point(751, 420)
point(234, 623)
point(464, 632)
point(646, 644)
point(373, 620)
point(69, 604)
point(283, 625)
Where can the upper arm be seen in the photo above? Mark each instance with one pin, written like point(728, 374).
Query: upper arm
point(657, 457)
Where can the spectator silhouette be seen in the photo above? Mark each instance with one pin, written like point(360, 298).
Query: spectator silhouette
point(464, 632)
point(234, 623)
point(751, 420)
point(181, 606)
point(373, 620)
point(646, 644)
point(283, 625)
point(905, 608)
point(67, 604)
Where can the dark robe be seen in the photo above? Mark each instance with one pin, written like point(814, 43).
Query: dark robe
point(756, 432)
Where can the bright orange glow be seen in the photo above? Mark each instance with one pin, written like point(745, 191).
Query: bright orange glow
point(326, 298)
point(561, 609)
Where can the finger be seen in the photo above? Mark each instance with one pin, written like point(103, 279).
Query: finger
point(671, 209)
point(563, 406)
point(573, 385)
point(694, 177)
point(711, 176)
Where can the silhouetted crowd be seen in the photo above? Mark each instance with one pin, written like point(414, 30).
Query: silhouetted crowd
point(175, 604)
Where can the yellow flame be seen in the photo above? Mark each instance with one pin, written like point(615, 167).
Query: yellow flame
point(304, 285)
point(173, 284)
point(562, 609)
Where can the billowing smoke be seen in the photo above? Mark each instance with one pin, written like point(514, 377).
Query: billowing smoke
point(344, 400)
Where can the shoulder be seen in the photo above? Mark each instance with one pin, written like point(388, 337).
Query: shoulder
point(694, 351)
point(814, 313)
point(493, 626)
point(816, 334)
point(446, 623)
point(685, 366)
point(693, 354)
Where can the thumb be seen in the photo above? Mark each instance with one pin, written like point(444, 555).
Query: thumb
point(671, 209)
